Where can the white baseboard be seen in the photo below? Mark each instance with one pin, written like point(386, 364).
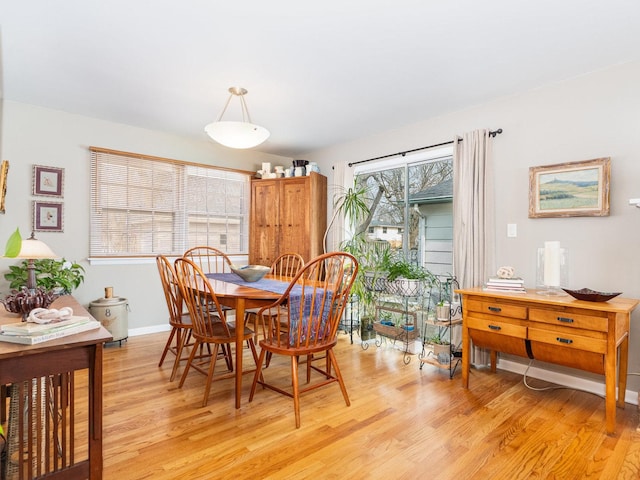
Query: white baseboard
point(564, 379)
point(134, 332)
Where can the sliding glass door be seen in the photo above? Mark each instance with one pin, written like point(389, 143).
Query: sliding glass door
point(412, 205)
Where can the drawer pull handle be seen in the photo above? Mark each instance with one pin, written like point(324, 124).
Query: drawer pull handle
point(495, 309)
point(565, 319)
point(495, 327)
point(564, 340)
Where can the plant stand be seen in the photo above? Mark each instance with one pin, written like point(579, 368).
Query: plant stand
point(347, 323)
point(406, 332)
point(445, 356)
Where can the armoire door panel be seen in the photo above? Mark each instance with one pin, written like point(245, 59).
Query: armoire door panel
point(287, 215)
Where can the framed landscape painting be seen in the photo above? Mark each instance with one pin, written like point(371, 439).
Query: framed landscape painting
point(573, 189)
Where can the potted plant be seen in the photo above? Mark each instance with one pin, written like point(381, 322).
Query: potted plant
point(352, 204)
point(408, 279)
point(439, 345)
point(374, 258)
point(58, 276)
point(443, 310)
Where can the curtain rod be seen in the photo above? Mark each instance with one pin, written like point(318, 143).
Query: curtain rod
point(491, 134)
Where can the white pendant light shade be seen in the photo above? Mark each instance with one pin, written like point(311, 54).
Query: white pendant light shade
point(236, 134)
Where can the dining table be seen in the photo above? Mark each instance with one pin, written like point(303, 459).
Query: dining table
point(235, 293)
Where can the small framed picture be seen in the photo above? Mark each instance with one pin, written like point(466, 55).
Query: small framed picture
point(47, 216)
point(48, 181)
point(573, 189)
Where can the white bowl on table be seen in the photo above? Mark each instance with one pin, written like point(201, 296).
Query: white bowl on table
point(250, 273)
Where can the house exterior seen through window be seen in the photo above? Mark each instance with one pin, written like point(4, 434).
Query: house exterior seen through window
point(413, 209)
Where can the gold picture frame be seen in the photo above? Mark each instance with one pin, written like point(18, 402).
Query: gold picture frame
point(572, 189)
point(4, 171)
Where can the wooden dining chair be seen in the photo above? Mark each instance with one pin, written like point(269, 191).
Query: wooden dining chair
point(307, 326)
point(179, 320)
point(285, 266)
point(209, 259)
point(210, 326)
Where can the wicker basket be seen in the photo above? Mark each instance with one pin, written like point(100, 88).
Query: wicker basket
point(393, 331)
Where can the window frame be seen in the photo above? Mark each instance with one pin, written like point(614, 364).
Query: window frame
point(405, 162)
point(179, 206)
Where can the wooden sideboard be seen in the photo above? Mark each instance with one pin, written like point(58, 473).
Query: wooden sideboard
point(56, 440)
point(556, 329)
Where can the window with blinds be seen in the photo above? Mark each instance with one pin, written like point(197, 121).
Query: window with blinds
point(145, 206)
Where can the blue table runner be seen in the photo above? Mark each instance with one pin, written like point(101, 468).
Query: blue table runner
point(277, 286)
point(266, 284)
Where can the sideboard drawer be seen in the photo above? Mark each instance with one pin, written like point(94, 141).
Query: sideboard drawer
point(496, 335)
point(497, 327)
point(569, 319)
point(568, 339)
point(497, 308)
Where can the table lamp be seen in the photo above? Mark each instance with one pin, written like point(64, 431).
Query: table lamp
point(30, 296)
point(33, 249)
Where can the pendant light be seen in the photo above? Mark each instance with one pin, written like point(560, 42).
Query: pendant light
point(242, 134)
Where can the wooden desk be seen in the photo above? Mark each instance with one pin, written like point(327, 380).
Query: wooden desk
point(240, 297)
point(53, 364)
point(556, 329)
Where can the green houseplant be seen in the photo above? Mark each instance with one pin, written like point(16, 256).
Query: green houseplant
point(443, 310)
point(353, 205)
point(411, 271)
point(409, 279)
point(60, 276)
point(365, 282)
point(439, 345)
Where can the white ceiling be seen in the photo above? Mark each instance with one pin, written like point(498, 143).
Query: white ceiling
point(318, 73)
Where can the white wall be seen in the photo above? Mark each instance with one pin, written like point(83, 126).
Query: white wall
point(40, 136)
point(596, 115)
point(592, 116)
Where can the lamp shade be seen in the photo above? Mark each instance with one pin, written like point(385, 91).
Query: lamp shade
point(34, 248)
point(237, 134)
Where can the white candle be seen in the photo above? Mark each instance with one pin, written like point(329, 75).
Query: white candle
point(552, 264)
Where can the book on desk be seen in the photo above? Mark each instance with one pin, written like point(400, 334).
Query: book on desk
point(28, 333)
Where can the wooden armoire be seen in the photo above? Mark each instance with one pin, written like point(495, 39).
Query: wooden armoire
point(287, 215)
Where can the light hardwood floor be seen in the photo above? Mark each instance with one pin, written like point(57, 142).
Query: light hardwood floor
point(403, 423)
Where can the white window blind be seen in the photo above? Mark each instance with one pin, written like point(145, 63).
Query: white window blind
point(145, 206)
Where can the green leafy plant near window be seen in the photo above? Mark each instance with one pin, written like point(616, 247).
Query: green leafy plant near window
point(50, 274)
point(403, 269)
point(437, 339)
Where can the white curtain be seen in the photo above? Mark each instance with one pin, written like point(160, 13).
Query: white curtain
point(335, 235)
point(473, 215)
